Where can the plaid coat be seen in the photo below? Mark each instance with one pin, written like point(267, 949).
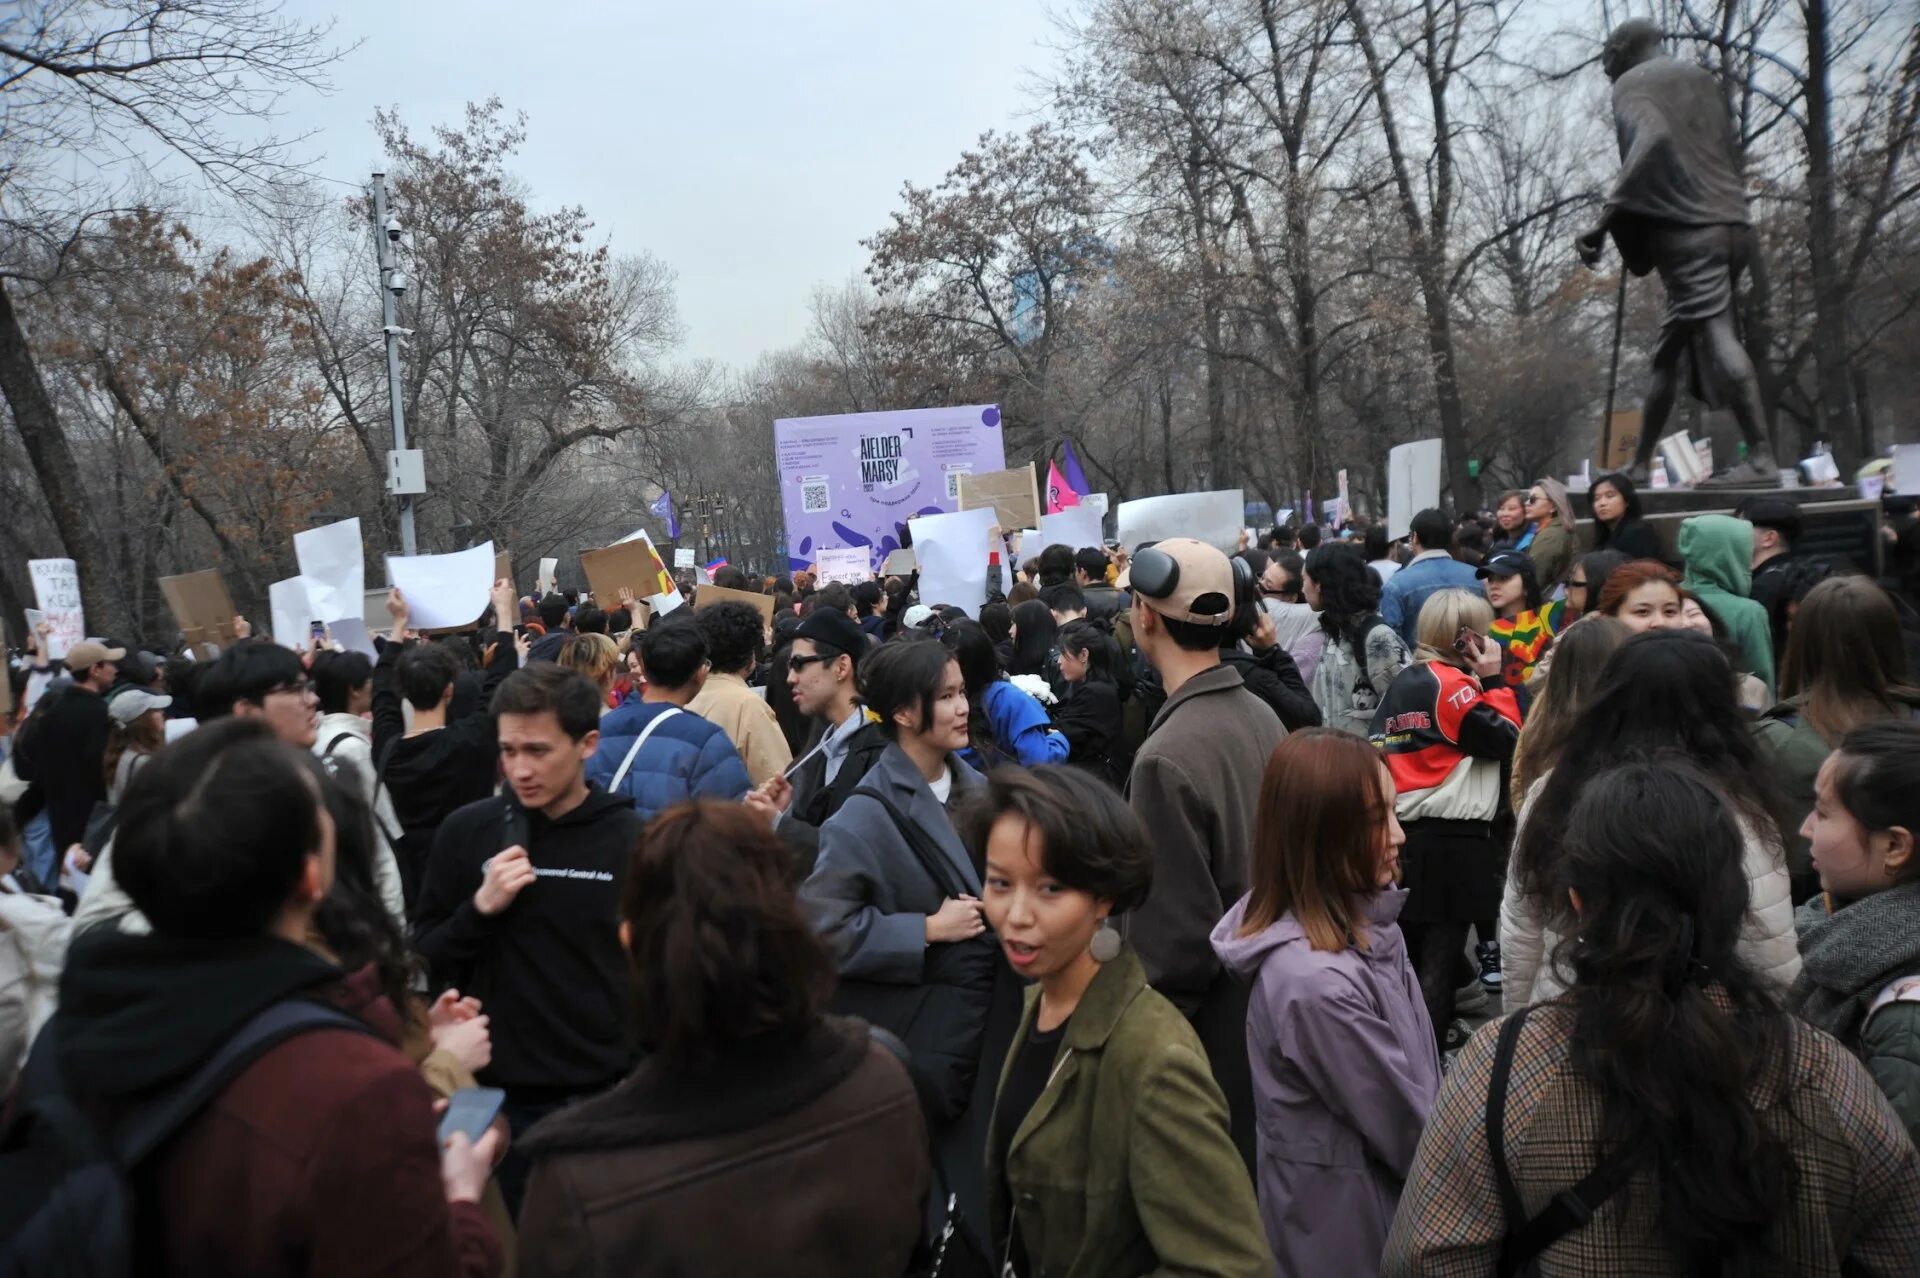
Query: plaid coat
point(1858, 1199)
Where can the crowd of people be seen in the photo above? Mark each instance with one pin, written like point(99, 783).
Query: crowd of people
point(1132, 919)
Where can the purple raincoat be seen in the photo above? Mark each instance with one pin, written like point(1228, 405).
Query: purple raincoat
point(1344, 1076)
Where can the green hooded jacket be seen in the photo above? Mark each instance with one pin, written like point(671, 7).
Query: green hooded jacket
point(1718, 553)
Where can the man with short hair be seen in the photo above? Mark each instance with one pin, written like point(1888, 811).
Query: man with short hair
point(253, 679)
point(1309, 537)
point(589, 620)
point(735, 635)
point(1090, 572)
point(1195, 786)
point(654, 750)
point(1432, 569)
point(1776, 527)
point(65, 752)
point(554, 611)
point(869, 602)
point(1066, 601)
point(444, 761)
point(822, 673)
point(521, 904)
point(1280, 599)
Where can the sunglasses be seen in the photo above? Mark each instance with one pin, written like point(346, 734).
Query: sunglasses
point(797, 663)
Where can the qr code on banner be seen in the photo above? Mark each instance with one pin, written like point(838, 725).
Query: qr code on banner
point(953, 480)
point(814, 497)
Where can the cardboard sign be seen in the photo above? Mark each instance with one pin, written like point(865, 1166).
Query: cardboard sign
point(848, 564)
point(1620, 439)
point(502, 568)
point(707, 596)
point(1013, 494)
point(56, 587)
point(203, 610)
point(634, 564)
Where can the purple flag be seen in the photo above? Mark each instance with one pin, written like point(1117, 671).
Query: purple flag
point(1071, 472)
point(663, 511)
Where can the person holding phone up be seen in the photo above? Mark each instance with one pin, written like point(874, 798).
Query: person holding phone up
point(1447, 728)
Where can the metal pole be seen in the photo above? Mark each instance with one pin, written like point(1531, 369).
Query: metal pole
point(389, 319)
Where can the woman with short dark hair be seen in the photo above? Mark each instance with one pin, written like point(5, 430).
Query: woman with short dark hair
point(746, 1089)
point(896, 896)
point(1080, 1180)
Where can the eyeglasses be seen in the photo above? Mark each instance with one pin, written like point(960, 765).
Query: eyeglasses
point(796, 663)
point(299, 688)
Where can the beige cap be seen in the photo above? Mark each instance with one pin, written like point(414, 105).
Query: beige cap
point(1184, 579)
point(87, 654)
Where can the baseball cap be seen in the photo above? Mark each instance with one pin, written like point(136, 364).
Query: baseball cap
point(834, 629)
point(916, 616)
point(89, 652)
point(1506, 563)
point(1182, 579)
point(1777, 513)
point(134, 702)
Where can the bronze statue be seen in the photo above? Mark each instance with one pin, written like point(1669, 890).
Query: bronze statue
point(1679, 207)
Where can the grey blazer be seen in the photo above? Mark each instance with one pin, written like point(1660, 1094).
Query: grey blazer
point(868, 896)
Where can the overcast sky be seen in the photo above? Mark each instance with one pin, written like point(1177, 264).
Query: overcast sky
point(750, 145)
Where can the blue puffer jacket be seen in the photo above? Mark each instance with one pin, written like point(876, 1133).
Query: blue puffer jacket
point(687, 757)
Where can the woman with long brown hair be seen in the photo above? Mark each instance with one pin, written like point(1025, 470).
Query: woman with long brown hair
point(1846, 666)
point(1337, 1033)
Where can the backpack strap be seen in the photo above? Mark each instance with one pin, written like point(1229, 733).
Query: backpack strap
point(1571, 1208)
point(613, 786)
point(327, 752)
point(931, 858)
point(143, 1129)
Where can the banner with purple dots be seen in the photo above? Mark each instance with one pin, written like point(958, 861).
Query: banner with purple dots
point(855, 479)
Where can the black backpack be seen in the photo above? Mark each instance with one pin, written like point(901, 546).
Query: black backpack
point(66, 1208)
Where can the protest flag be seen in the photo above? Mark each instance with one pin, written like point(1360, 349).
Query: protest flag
point(662, 509)
point(1059, 494)
point(1070, 467)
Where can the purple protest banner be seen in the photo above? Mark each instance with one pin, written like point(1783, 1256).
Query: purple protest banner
point(856, 479)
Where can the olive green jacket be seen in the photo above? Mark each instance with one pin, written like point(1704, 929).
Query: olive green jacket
point(1123, 1166)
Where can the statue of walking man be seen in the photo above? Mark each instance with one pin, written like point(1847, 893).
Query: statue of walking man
point(1679, 207)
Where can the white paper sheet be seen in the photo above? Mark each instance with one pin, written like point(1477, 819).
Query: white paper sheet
point(335, 569)
point(351, 634)
point(56, 588)
point(1413, 484)
point(848, 564)
point(952, 552)
point(291, 603)
point(1096, 502)
point(1906, 469)
point(1210, 517)
point(1076, 526)
point(444, 590)
point(543, 585)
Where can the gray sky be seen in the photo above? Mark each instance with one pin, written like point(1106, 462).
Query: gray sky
point(749, 145)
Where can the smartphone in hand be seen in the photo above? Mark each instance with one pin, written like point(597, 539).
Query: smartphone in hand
point(471, 1110)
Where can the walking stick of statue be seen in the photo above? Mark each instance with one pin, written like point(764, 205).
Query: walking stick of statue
point(1613, 368)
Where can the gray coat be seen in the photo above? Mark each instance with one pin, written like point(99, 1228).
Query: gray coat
point(867, 897)
point(1344, 1077)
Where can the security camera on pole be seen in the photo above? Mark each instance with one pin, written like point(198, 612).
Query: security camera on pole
point(406, 467)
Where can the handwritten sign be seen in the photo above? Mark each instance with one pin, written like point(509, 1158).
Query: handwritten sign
point(849, 564)
point(56, 585)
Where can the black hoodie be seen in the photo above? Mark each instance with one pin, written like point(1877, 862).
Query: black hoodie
point(548, 969)
point(138, 1012)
